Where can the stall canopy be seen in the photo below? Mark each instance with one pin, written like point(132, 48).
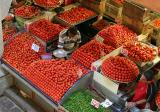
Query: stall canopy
point(153, 5)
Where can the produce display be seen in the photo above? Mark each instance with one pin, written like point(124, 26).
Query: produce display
point(83, 68)
point(119, 1)
point(101, 24)
point(27, 12)
point(90, 52)
point(117, 35)
point(76, 15)
point(139, 52)
point(8, 33)
point(80, 101)
point(45, 30)
point(47, 3)
point(156, 23)
point(120, 69)
point(53, 77)
point(18, 52)
point(158, 99)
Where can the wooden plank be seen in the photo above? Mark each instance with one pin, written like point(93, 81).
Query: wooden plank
point(153, 5)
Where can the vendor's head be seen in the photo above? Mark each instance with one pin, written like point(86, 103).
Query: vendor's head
point(148, 75)
point(72, 31)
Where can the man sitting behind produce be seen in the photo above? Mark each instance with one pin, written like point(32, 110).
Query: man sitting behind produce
point(144, 92)
point(69, 39)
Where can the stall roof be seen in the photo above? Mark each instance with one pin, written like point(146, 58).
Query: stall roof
point(153, 5)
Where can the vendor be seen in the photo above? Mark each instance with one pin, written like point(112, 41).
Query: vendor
point(144, 92)
point(69, 39)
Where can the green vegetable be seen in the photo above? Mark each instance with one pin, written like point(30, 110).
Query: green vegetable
point(80, 101)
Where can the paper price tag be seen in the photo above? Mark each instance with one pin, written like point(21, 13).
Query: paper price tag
point(35, 47)
point(95, 103)
point(124, 52)
point(107, 103)
point(100, 39)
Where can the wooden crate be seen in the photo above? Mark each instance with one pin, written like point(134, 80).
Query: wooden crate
point(97, 6)
point(137, 26)
point(113, 11)
point(135, 12)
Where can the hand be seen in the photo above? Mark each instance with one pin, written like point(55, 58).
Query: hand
point(131, 104)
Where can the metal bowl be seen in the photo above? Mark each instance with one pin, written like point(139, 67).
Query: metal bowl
point(146, 110)
point(60, 53)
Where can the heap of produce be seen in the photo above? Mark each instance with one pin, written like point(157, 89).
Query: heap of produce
point(158, 98)
point(45, 30)
point(120, 69)
point(117, 35)
point(90, 52)
point(8, 33)
point(139, 52)
point(80, 101)
point(53, 77)
point(83, 68)
point(18, 52)
point(47, 3)
point(76, 15)
point(156, 23)
point(101, 24)
point(27, 11)
point(119, 1)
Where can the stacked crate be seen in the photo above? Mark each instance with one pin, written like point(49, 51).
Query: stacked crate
point(136, 17)
point(95, 5)
point(113, 9)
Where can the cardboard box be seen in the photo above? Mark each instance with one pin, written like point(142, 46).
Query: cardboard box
point(113, 11)
point(97, 6)
point(135, 25)
point(134, 11)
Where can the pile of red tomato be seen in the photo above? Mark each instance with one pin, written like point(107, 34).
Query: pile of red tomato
point(8, 33)
point(119, 1)
point(45, 30)
point(26, 11)
point(76, 15)
point(139, 52)
point(101, 24)
point(120, 69)
point(158, 99)
point(18, 52)
point(47, 3)
point(83, 68)
point(91, 52)
point(156, 23)
point(54, 77)
point(116, 35)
